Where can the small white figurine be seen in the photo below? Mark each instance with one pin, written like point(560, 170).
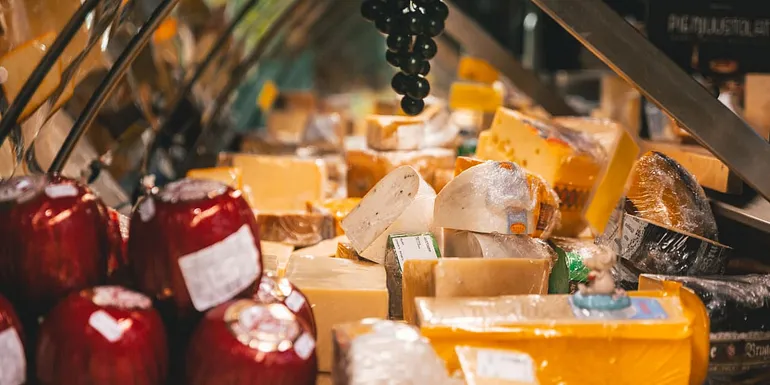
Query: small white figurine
point(600, 281)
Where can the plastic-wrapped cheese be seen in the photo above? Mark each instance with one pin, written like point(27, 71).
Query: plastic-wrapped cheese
point(495, 197)
point(496, 366)
point(402, 202)
point(468, 244)
point(480, 277)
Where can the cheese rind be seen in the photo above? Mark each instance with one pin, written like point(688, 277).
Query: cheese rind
point(402, 202)
point(495, 197)
point(402, 248)
point(417, 280)
point(366, 167)
point(481, 277)
point(339, 291)
point(279, 183)
point(295, 228)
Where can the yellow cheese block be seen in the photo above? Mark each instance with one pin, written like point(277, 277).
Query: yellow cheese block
point(275, 257)
point(570, 161)
point(325, 248)
point(653, 342)
point(279, 183)
point(496, 366)
point(481, 277)
point(467, 244)
point(345, 250)
point(324, 379)
point(475, 96)
point(623, 151)
point(288, 126)
point(393, 132)
point(337, 208)
point(230, 176)
point(339, 291)
point(417, 280)
point(477, 70)
point(545, 215)
point(442, 178)
point(366, 167)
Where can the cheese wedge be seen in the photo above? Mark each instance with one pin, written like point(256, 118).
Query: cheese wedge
point(496, 197)
point(346, 251)
point(366, 166)
point(279, 183)
point(546, 214)
point(393, 132)
point(481, 277)
point(570, 161)
point(339, 291)
point(468, 244)
point(402, 202)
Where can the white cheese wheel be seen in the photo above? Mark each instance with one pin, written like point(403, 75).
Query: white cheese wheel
point(492, 197)
point(401, 202)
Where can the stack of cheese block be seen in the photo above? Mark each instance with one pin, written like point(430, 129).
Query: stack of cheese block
point(396, 140)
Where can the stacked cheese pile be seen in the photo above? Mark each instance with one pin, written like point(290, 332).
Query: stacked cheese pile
point(393, 141)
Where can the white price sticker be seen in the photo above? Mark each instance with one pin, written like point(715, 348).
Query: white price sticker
point(304, 346)
point(414, 247)
point(61, 191)
point(106, 325)
point(216, 273)
point(13, 365)
point(295, 301)
point(505, 366)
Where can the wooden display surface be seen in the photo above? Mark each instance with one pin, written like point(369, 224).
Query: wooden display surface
point(707, 169)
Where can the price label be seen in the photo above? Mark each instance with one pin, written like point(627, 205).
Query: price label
point(505, 366)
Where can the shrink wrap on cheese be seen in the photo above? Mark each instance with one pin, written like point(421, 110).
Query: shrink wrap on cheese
point(366, 166)
point(481, 277)
point(662, 191)
point(739, 310)
point(660, 338)
point(339, 291)
point(570, 161)
point(402, 202)
point(468, 244)
point(497, 197)
point(402, 248)
point(385, 353)
point(295, 228)
point(337, 208)
point(575, 250)
point(426, 130)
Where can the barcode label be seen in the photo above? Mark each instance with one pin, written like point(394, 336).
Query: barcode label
point(216, 273)
point(106, 325)
point(505, 366)
point(13, 365)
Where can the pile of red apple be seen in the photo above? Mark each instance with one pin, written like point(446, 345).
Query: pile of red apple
point(95, 299)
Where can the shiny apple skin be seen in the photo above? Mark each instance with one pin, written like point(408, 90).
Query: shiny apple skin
point(71, 352)
point(118, 267)
point(50, 247)
point(216, 357)
point(285, 288)
point(177, 229)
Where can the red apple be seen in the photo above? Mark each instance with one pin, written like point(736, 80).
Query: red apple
point(53, 240)
point(105, 335)
point(279, 290)
point(194, 245)
point(251, 343)
point(118, 266)
point(13, 364)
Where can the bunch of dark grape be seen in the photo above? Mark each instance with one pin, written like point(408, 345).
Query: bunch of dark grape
point(410, 26)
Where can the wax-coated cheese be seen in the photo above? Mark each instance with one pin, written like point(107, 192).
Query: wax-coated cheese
point(230, 176)
point(366, 166)
point(479, 277)
point(280, 183)
point(339, 291)
point(468, 244)
point(570, 161)
point(497, 197)
point(300, 229)
point(402, 248)
point(337, 208)
point(496, 366)
point(417, 280)
point(402, 202)
point(325, 248)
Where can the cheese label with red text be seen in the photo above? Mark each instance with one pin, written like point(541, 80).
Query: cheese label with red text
point(13, 365)
point(217, 273)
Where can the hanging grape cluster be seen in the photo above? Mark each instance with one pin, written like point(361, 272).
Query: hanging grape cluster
point(410, 27)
